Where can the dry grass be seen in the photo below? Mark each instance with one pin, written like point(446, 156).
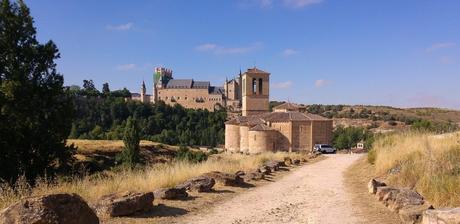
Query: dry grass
point(430, 164)
point(91, 146)
point(148, 179)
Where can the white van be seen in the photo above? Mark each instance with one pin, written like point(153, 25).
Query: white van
point(323, 148)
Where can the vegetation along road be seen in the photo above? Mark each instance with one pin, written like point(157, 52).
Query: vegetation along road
point(312, 194)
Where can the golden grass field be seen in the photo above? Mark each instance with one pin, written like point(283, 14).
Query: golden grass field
point(144, 180)
point(429, 163)
point(91, 146)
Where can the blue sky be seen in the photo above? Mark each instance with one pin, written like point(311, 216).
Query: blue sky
point(391, 52)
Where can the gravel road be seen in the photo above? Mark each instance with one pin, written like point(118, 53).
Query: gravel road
point(312, 194)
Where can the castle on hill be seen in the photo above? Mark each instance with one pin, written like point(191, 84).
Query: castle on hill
point(191, 93)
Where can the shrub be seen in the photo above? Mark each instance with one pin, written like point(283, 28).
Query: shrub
point(186, 154)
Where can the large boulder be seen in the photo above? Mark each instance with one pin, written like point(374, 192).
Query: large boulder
point(373, 185)
point(404, 198)
point(172, 193)
point(50, 209)
point(199, 184)
point(413, 214)
point(254, 175)
point(124, 204)
point(382, 192)
point(442, 216)
point(225, 179)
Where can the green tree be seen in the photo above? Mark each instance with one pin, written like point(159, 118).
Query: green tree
point(130, 155)
point(35, 109)
point(105, 89)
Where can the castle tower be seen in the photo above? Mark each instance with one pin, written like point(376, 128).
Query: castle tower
point(143, 91)
point(255, 92)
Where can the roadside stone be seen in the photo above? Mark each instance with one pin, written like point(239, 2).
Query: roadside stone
point(383, 191)
point(404, 198)
point(373, 185)
point(296, 161)
point(240, 173)
point(124, 204)
point(413, 214)
point(265, 170)
point(199, 184)
point(171, 193)
point(287, 161)
point(304, 160)
point(253, 176)
point(50, 209)
point(273, 165)
point(225, 179)
point(441, 216)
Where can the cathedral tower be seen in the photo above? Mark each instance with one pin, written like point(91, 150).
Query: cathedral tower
point(255, 91)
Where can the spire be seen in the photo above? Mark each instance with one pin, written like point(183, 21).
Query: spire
point(143, 90)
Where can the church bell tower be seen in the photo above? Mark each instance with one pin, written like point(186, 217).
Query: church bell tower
point(255, 92)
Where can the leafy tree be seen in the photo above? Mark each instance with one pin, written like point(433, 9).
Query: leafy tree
point(105, 89)
point(130, 155)
point(35, 109)
point(89, 89)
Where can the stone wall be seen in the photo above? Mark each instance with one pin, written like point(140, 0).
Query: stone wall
point(301, 136)
point(188, 98)
point(261, 141)
point(283, 137)
point(232, 138)
point(244, 143)
point(322, 132)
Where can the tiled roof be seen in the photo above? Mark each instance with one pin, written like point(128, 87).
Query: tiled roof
point(291, 116)
point(275, 117)
point(179, 84)
point(200, 84)
point(216, 90)
point(287, 106)
point(255, 70)
point(261, 127)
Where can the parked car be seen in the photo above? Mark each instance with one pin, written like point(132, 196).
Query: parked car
point(323, 148)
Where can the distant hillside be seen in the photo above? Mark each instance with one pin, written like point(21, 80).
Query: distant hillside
point(383, 118)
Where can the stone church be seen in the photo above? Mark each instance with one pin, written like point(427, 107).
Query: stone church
point(288, 128)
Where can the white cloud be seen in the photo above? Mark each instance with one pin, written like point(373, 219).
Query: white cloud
point(439, 46)
point(121, 27)
point(289, 52)
point(126, 67)
point(265, 3)
point(217, 49)
point(300, 3)
point(321, 82)
point(282, 85)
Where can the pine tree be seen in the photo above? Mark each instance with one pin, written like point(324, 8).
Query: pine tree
point(130, 155)
point(35, 110)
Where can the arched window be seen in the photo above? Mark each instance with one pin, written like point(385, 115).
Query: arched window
point(254, 86)
point(260, 86)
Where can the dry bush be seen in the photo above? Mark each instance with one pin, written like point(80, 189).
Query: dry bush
point(90, 146)
point(147, 179)
point(430, 164)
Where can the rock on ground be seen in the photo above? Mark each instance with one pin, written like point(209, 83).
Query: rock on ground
point(50, 209)
point(172, 193)
point(254, 175)
point(373, 185)
point(124, 204)
point(225, 179)
point(199, 184)
point(442, 216)
point(413, 214)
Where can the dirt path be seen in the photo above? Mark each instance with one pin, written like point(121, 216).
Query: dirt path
point(312, 194)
